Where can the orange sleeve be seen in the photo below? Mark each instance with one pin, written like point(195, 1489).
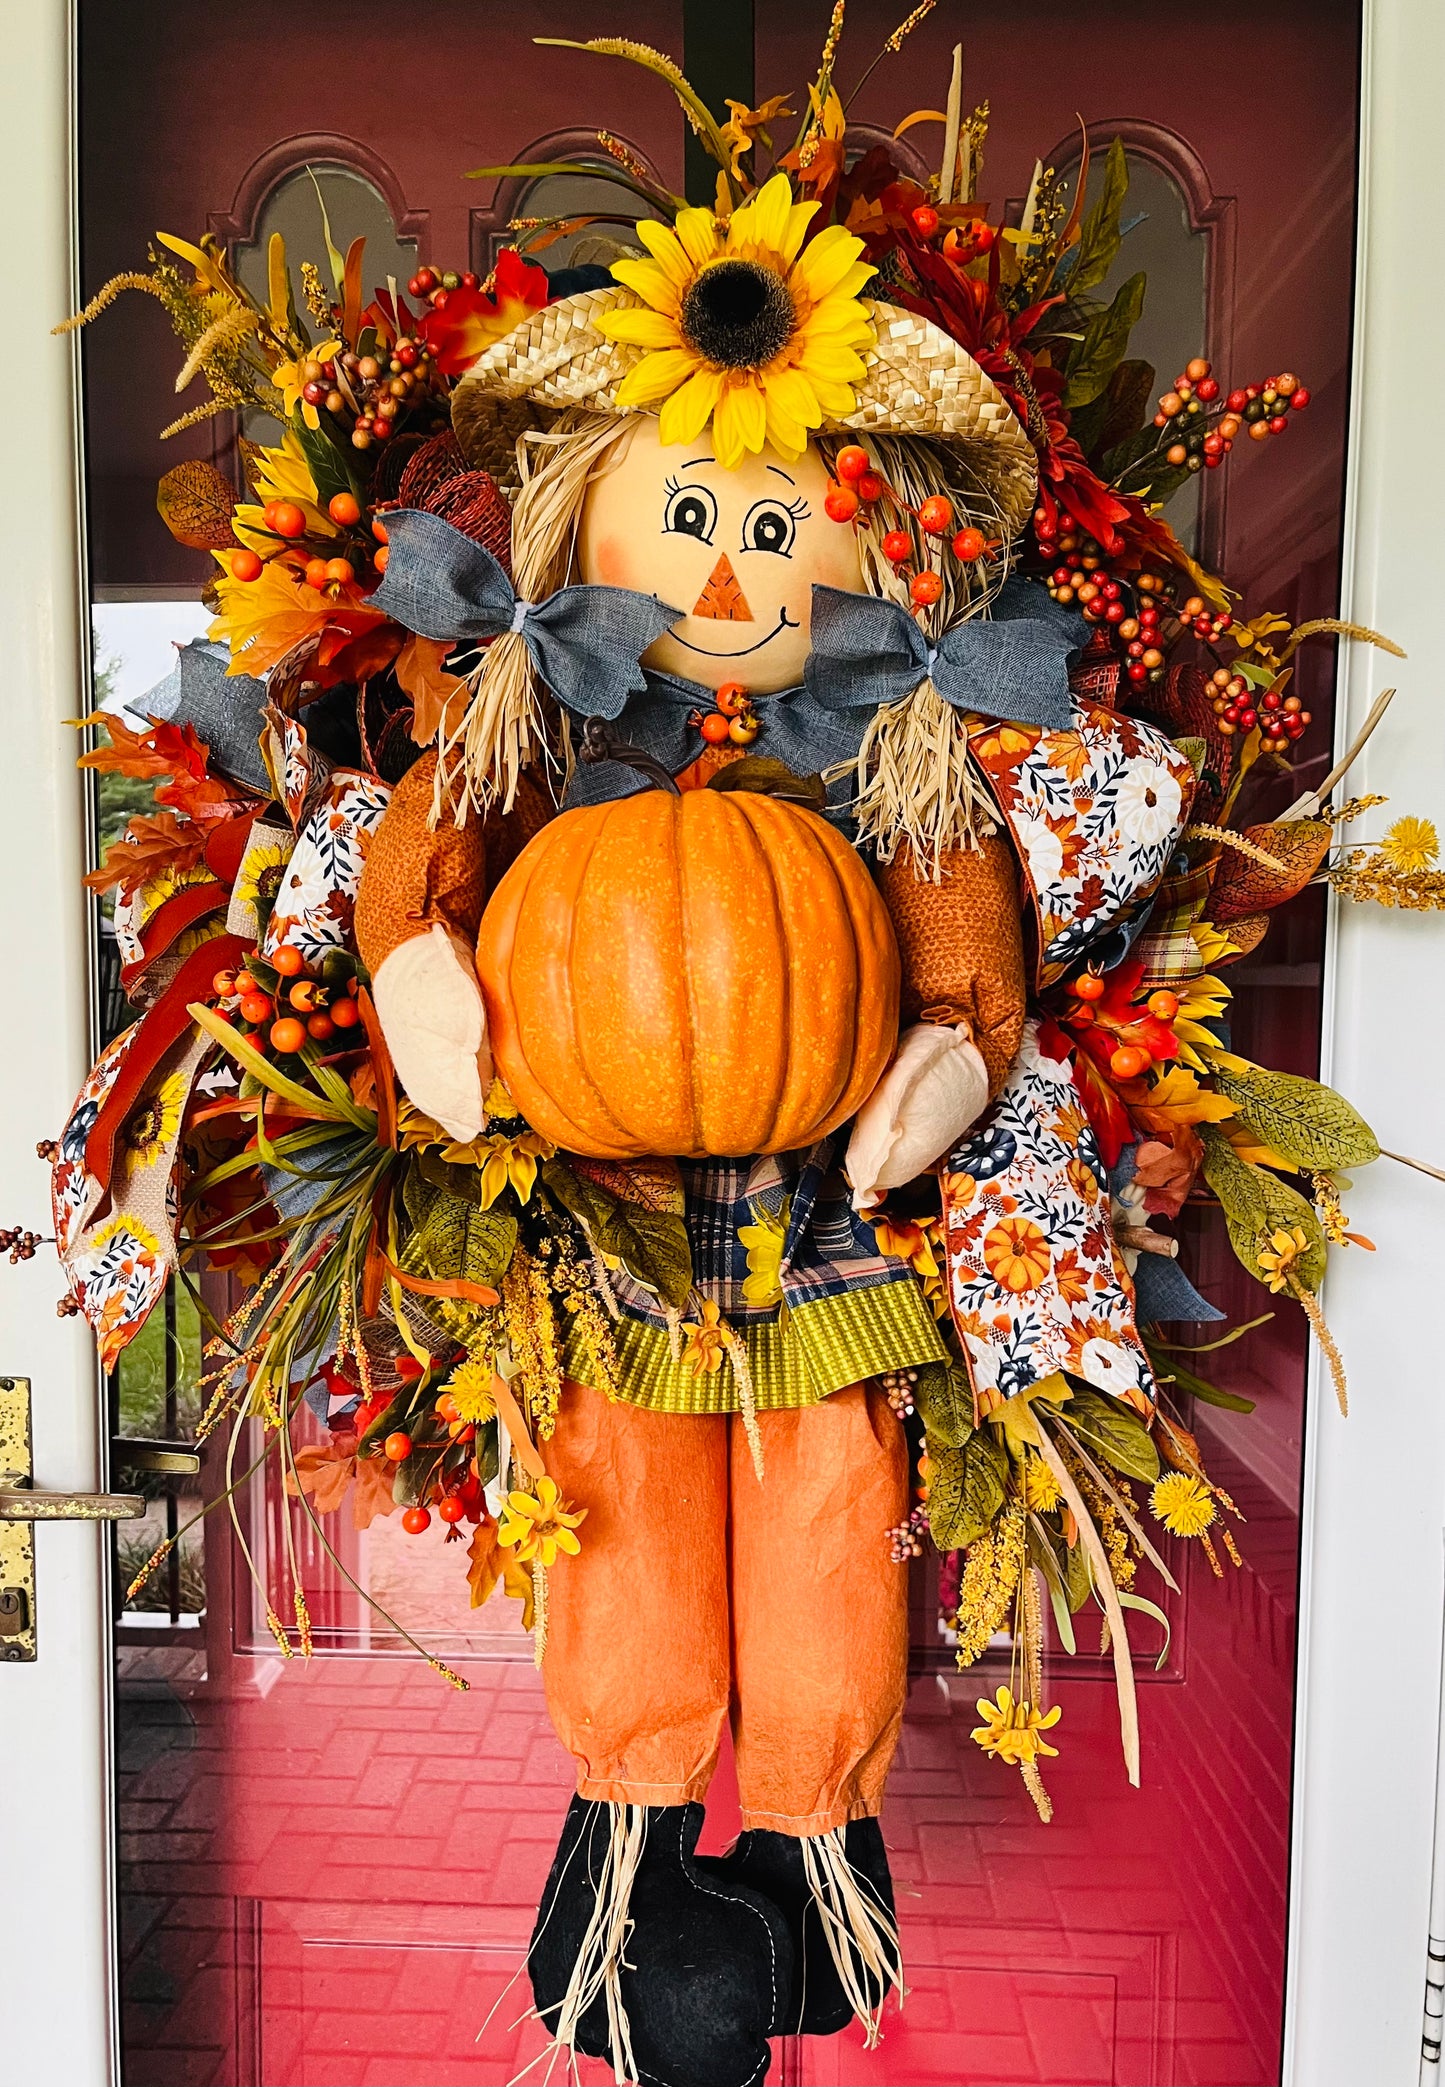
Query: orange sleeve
point(961, 941)
point(417, 875)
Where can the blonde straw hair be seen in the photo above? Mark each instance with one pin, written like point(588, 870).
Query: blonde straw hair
point(507, 725)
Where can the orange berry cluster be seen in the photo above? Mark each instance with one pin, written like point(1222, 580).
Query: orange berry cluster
point(1129, 1061)
point(733, 720)
point(318, 562)
point(284, 1005)
point(860, 486)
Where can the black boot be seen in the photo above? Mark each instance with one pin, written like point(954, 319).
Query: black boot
point(773, 1865)
point(706, 1963)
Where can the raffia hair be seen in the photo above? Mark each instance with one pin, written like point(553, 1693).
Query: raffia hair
point(508, 722)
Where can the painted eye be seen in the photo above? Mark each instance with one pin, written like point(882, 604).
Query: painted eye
point(691, 511)
point(769, 527)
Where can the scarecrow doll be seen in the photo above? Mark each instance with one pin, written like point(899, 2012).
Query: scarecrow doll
point(732, 870)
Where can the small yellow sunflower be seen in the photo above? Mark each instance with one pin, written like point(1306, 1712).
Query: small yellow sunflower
point(1183, 1504)
point(744, 326)
point(262, 872)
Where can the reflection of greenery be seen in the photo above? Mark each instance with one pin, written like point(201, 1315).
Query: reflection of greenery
point(131, 1553)
point(143, 1373)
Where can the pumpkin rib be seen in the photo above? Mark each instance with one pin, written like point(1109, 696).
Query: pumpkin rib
point(561, 1118)
point(845, 908)
point(635, 1145)
point(689, 1068)
point(530, 860)
point(746, 809)
point(872, 948)
point(813, 850)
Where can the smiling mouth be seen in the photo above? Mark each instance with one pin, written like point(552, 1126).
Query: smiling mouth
point(784, 622)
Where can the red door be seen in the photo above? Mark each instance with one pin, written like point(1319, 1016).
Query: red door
point(329, 1868)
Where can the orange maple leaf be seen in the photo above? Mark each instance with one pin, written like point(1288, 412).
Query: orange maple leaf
point(433, 691)
point(147, 846)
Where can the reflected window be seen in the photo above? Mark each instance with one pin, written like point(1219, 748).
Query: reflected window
point(355, 209)
point(1160, 240)
point(613, 210)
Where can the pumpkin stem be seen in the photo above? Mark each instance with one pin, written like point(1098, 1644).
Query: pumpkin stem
point(601, 743)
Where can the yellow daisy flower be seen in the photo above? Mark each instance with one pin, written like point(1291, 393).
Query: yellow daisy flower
point(1013, 1731)
point(1183, 1504)
point(743, 325)
point(1411, 844)
point(539, 1525)
point(705, 1343)
point(1279, 1257)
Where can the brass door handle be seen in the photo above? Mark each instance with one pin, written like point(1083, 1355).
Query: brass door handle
point(23, 1505)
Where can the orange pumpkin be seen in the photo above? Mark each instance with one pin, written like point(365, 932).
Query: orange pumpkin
point(710, 973)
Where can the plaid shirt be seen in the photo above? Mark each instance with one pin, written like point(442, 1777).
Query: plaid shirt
point(828, 1250)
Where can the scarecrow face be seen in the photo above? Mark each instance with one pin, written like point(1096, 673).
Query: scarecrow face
point(740, 550)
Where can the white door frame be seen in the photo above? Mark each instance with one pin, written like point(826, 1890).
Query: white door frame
point(55, 1909)
point(1371, 1592)
point(1374, 1538)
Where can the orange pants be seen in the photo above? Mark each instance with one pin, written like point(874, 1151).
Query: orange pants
point(701, 1591)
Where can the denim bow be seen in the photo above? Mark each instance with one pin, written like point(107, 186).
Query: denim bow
point(868, 651)
point(586, 641)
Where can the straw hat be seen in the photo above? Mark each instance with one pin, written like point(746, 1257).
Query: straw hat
point(917, 381)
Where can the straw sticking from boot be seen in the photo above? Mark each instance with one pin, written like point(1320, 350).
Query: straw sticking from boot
point(597, 1970)
point(916, 782)
point(862, 1937)
point(747, 1397)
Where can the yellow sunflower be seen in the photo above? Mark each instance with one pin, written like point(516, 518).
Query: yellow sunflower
point(152, 1129)
point(262, 872)
point(764, 1240)
point(744, 326)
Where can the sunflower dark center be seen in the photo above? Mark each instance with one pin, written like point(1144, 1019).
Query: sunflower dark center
point(737, 315)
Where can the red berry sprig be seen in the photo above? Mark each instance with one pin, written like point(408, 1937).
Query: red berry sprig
point(283, 1006)
point(1195, 434)
point(733, 721)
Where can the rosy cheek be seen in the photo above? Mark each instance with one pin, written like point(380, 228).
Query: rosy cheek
point(611, 563)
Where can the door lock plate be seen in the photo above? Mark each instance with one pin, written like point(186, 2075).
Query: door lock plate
point(17, 1539)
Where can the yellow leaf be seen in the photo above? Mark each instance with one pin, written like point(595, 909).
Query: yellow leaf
point(1176, 1097)
point(278, 283)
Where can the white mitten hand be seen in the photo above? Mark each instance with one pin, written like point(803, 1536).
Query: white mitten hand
point(933, 1090)
point(431, 1013)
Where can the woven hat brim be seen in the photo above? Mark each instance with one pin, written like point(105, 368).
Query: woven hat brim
point(917, 381)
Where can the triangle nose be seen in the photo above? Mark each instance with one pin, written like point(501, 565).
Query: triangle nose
point(722, 598)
